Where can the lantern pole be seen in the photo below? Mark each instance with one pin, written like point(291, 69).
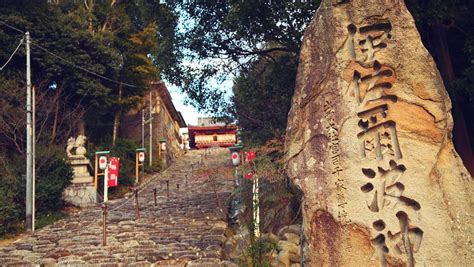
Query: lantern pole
point(136, 167)
point(106, 188)
point(151, 134)
point(139, 163)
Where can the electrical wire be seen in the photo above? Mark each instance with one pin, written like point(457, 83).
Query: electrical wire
point(11, 27)
point(84, 69)
point(11, 56)
point(72, 63)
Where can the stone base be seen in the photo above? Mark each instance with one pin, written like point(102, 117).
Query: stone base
point(79, 168)
point(80, 195)
point(84, 179)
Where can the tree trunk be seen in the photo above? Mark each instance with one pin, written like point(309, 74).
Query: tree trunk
point(443, 60)
point(55, 124)
point(81, 127)
point(117, 115)
point(57, 102)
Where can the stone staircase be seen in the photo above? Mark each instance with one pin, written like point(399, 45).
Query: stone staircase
point(185, 229)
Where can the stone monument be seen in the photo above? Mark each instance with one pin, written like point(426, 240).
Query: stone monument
point(82, 191)
point(369, 143)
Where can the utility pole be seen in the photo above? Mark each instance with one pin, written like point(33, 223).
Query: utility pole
point(29, 143)
point(33, 171)
point(143, 128)
point(151, 134)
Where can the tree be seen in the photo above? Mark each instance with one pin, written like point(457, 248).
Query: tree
point(222, 38)
point(90, 60)
point(55, 116)
point(54, 78)
point(262, 96)
point(120, 40)
point(130, 30)
point(227, 37)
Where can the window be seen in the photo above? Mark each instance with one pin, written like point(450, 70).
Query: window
point(215, 138)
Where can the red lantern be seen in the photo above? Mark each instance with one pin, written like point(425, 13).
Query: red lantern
point(235, 159)
point(102, 162)
point(141, 157)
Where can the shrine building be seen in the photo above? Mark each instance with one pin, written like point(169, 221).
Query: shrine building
point(210, 133)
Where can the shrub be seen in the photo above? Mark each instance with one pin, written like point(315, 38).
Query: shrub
point(53, 175)
point(258, 251)
point(125, 150)
point(10, 210)
point(156, 167)
point(277, 197)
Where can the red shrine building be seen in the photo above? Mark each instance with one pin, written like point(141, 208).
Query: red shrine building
point(211, 133)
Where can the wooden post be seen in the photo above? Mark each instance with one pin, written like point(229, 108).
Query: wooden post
point(136, 167)
point(154, 196)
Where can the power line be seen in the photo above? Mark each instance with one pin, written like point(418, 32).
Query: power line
point(72, 63)
point(11, 27)
point(11, 56)
point(84, 69)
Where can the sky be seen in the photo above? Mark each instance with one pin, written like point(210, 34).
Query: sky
point(190, 114)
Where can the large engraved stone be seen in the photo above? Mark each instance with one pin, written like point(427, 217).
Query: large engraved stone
point(369, 143)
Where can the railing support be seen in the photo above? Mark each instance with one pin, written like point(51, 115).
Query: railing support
point(137, 207)
point(104, 224)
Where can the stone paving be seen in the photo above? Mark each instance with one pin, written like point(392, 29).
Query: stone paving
point(186, 229)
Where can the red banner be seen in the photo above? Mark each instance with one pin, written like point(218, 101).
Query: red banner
point(250, 155)
point(249, 158)
point(113, 171)
point(249, 176)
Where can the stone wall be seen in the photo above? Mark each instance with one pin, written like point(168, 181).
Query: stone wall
point(164, 127)
point(80, 195)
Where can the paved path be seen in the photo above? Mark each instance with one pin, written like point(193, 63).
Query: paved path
point(186, 229)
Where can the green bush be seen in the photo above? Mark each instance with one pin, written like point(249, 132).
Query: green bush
point(11, 211)
point(125, 150)
point(156, 167)
point(53, 175)
point(49, 218)
point(258, 250)
point(277, 197)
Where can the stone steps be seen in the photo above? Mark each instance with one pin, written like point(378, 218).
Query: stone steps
point(184, 230)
